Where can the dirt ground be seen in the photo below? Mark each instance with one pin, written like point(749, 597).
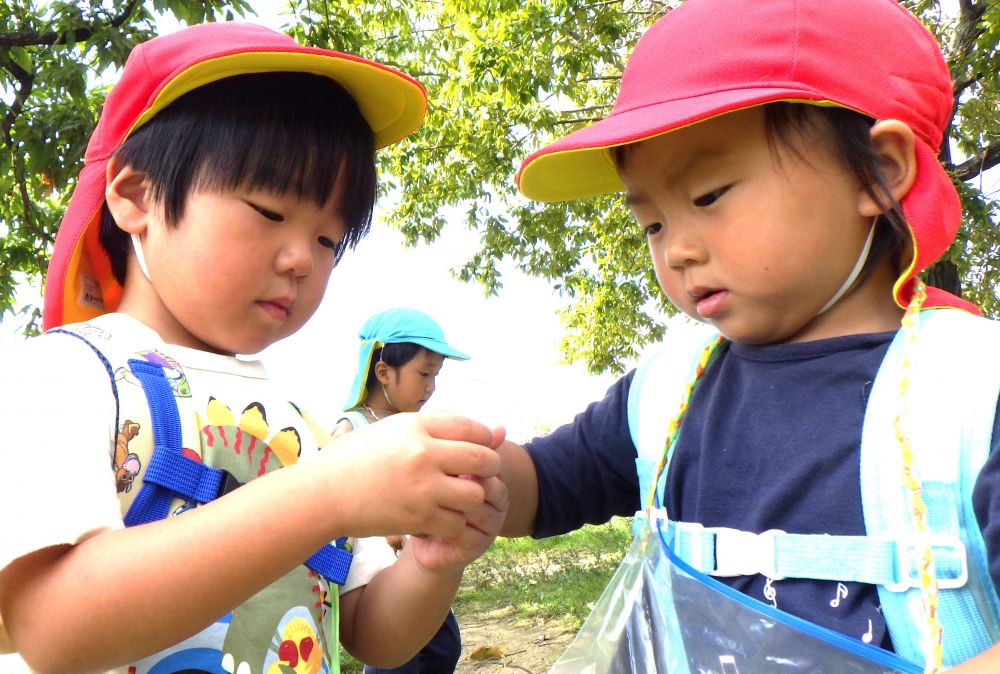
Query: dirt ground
point(495, 642)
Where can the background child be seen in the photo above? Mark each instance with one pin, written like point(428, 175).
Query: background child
point(230, 169)
point(780, 158)
point(402, 351)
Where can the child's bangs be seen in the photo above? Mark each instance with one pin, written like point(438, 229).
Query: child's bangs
point(284, 132)
point(289, 133)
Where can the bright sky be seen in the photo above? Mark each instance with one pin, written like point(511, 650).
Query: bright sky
point(514, 375)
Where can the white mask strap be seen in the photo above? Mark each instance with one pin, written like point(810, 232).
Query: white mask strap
point(137, 246)
point(858, 266)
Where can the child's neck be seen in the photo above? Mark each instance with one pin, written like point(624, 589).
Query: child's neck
point(868, 308)
point(377, 408)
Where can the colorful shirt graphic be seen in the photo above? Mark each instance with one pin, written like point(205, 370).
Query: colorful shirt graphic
point(231, 419)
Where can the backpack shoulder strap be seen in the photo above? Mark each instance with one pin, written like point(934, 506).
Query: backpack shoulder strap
point(949, 417)
point(657, 390)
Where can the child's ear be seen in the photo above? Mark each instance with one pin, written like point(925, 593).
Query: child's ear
point(382, 372)
point(893, 141)
point(128, 196)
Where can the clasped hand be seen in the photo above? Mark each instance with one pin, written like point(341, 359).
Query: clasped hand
point(435, 476)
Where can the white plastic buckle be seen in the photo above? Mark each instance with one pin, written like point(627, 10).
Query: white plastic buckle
point(909, 551)
point(743, 553)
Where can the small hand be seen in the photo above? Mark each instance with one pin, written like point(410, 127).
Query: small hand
point(482, 526)
point(402, 475)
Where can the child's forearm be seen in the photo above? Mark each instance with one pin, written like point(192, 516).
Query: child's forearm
point(386, 622)
point(67, 607)
point(518, 473)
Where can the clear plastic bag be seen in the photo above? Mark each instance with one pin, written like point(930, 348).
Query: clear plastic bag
point(658, 615)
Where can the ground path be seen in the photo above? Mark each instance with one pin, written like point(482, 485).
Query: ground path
point(510, 644)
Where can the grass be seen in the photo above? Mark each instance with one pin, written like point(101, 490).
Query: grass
point(553, 578)
point(558, 577)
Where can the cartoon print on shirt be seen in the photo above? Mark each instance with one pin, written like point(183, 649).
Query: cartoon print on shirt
point(171, 368)
point(294, 645)
point(246, 447)
point(126, 464)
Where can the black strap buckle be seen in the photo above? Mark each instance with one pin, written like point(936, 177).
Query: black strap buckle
point(227, 484)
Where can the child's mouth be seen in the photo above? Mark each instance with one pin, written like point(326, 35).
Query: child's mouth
point(711, 302)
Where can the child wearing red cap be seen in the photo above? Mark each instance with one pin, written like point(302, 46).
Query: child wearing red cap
point(230, 169)
point(813, 429)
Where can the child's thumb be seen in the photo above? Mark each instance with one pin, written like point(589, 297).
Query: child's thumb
point(499, 435)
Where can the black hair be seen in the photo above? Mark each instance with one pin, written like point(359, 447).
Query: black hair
point(281, 131)
point(848, 135)
point(395, 355)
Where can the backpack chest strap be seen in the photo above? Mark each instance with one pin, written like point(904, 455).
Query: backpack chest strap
point(892, 563)
point(170, 474)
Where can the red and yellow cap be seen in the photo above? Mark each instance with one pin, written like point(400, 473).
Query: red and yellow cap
point(79, 284)
point(709, 57)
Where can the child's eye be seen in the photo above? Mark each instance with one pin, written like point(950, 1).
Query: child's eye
point(651, 229)
point(270, 215)
point(710, 198)
point(327, 242)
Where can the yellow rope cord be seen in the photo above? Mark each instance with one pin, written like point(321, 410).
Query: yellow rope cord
point(918, 509)
point(675, 423)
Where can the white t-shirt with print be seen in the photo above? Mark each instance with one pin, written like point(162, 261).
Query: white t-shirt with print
point(68, 473)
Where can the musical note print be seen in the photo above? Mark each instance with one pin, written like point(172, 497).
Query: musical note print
point(770, 593)
point(867, 636)
point(841, 594)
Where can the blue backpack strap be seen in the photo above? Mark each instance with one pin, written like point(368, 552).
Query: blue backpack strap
point(656, 393)
point(951, 407)
point(104, 361)
point(170, 474)
point(721, 551)
point(332, 561)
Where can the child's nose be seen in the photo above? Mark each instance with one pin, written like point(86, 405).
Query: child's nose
point(683, 246)
point(295, 257)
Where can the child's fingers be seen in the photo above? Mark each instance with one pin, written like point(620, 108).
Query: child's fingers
point(499, 435)
point(447, 426)
point(461, 493)
point(495, 493)
point(488, 516)
point(463, 458)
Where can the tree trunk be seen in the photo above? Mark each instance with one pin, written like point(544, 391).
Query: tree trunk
point(944, 275)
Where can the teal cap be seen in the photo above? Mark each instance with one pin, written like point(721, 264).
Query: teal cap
point(396, 326)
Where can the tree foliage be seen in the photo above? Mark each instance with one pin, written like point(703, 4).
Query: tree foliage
point(55, 58)
point(503, 78)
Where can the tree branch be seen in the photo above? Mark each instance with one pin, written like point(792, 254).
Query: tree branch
point(26, 38)
point(577, 121)
point(26, 81)
point(959, 87)
point(976, 164)
point(967, 30)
